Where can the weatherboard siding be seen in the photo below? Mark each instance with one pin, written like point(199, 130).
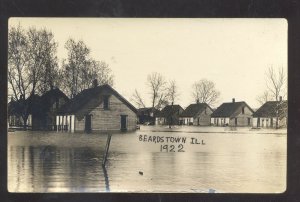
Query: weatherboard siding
point(109, 120)
point(204, 118)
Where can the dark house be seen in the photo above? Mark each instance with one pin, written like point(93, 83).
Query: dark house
point(41, 110)
point(51, 102)
point(147, 115)
point(169, 115)
point(99, 108)
point(30, 108)
point(232, 114)
point(272, 114)
point(196, 114)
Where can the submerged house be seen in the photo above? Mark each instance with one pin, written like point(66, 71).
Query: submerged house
point(41, 110)
point(196, 114)
point(99, 108)
point(17, 109)
point(147, 115)
point(51, 102)
point(169, 115)
point(272, 114)
point(232, 114)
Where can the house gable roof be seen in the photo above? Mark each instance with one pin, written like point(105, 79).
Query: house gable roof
point(193, 109)
point(269, 109)
point(49, 97)
point(80, 101)
point(230, 109)
point(32, 104)
point(169, 110)
point(56, 92)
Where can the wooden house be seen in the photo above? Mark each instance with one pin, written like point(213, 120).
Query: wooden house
point(99, 108)
point(232, 114)
point(29, 107)
point(169, 115)
point(147, 115)
point(51, 102)
point(41, 110)
point(272, 114)
point(196, 114)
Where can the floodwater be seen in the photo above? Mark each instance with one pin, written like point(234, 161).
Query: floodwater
point(223, 160)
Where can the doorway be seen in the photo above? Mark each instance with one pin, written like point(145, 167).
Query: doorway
point(123, 122)
point(88, 123)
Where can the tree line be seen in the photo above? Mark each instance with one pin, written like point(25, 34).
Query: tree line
point(34, 68)
point(162, 93)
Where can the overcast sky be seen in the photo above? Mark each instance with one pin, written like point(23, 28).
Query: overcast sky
point(234, 53)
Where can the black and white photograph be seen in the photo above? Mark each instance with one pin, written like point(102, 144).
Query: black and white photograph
point(147, 105)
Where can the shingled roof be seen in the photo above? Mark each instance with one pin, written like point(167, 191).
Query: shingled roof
point(229, 109)
point(169, 110)
point(47, 98)
point(83, 98)
point(53, 93)
point(193, 109)
point(269, 109)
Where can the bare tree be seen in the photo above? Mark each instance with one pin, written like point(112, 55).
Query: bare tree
point(276, 91)
point(77, 60)
point(265, 97)
point(158, 94)
point(276, 83)
point(29, 53)
point(205, 91)
point(100, 70)
point(172, 91)
point(137, 99)
point(45, 56)
point(82, 70)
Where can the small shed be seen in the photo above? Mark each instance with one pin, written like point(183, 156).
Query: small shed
point(100, 108)
point(232, 114)
point(169, 115)
point(196, 114)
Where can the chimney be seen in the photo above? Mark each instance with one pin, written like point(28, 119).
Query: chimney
point(95, 83)
point(280, 98)
point(197, 101)
point(233, 100)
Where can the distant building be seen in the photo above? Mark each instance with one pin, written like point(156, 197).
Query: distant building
point(41, 110)
point(196, 114)
point(232, 114)
point(169, 115)
point(268, 114)
point(147, 115)
point(99, 108)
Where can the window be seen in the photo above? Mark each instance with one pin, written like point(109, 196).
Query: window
point(243, 110)
point(106, 102)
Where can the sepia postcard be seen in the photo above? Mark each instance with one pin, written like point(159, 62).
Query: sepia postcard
point(147, 105)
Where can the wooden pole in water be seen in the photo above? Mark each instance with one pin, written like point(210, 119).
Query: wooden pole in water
point(106, 149)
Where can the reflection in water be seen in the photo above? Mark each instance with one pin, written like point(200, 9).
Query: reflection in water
point(106, 178)
point(62, 162)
